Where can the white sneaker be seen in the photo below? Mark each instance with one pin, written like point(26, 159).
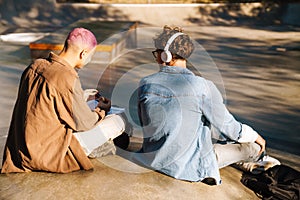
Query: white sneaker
point(257, 167)
point(108, 148)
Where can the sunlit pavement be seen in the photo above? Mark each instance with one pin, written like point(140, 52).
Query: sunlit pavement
point(261, 77)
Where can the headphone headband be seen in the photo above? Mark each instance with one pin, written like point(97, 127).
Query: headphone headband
point(171, 39)
point(166, 55)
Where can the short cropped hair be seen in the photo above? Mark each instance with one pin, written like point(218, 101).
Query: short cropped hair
point(181, 47)
point(81, 37)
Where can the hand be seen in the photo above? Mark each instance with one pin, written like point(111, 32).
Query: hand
point(262, 143)
point(104, 104)
point(90, 94)
point(95, 96)
point(91, 97)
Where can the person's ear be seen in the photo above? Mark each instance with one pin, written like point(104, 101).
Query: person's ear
point(82, 54)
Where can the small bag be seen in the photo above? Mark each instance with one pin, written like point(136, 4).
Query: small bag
point(280, 182)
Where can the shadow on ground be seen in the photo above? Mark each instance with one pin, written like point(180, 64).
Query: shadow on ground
point(241, 14)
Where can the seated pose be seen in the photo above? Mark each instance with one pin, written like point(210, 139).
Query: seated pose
point(52, 127)
point(178, 111)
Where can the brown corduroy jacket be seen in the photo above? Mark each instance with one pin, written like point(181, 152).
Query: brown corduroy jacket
point(50, 106)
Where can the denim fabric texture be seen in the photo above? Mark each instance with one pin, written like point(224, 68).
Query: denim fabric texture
point(177, 110)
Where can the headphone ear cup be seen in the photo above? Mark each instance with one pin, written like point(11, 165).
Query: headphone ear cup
point(166, 56)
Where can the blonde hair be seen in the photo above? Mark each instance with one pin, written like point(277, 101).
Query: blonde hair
point(181, 47)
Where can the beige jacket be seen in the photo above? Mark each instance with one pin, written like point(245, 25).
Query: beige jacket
point(49, 108)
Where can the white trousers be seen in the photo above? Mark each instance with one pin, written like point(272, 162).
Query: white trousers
point(228, 154)
point(109, 128)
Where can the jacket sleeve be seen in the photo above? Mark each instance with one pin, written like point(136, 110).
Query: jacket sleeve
point(248, 134)
point(216, 112)
point(84, 117)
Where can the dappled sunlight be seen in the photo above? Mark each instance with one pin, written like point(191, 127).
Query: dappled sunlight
point(271, 104)
point(50, 14)
point(257, 59)
point(239, 14)
point(262, 82)
point(262, 89)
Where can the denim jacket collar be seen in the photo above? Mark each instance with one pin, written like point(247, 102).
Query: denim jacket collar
point(176, 70)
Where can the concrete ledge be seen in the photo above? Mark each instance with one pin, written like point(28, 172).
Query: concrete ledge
point(106, 50)
point(108, 183)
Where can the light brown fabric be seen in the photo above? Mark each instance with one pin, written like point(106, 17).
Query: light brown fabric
point(49, 108)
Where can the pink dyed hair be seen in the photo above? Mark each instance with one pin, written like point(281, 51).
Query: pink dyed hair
point(82, 38)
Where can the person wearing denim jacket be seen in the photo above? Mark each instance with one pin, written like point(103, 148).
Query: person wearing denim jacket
point(178, 112)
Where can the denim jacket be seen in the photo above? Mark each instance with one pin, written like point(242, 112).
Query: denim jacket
point(176, 111)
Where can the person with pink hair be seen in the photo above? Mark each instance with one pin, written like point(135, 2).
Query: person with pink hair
point(80, 42)
point(52, 127)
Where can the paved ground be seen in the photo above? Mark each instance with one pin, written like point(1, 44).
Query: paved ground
point(107, 183)
point(256, 67)
point(260, 74)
